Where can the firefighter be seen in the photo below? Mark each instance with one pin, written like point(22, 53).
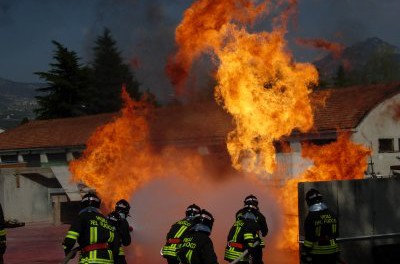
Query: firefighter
point(321, 231)
point(3, 244)
point(97, 239)
point(176, 231)
point(196, 246)
point(119, 220)
point(246, 234)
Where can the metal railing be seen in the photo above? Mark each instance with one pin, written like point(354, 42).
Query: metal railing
point(355, 238)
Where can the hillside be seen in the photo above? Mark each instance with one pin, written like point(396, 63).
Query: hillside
point(369, 61)
point(17, 101)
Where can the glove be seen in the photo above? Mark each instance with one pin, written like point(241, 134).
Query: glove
point(3, 247)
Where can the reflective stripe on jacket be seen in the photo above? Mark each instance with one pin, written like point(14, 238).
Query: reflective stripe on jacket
point(176, 231)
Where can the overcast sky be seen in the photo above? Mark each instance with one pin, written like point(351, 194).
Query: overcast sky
point(144, 31)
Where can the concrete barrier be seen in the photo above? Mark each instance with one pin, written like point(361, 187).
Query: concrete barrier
point(369, 217)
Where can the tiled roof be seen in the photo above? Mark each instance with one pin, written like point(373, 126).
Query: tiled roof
point(344, 108)
point(63, 132)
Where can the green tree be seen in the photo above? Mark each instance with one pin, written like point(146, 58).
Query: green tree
point(340, 80)
point(110, 73)
point(67, 86)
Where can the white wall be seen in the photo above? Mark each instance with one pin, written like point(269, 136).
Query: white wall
point(379, 123)
point(27, 203)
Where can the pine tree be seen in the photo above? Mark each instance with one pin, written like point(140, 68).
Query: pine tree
point(340, 79)
point(67, 86)
point(110, 73)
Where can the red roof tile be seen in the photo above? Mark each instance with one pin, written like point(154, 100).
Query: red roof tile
point(344, 108)
point(63, 132)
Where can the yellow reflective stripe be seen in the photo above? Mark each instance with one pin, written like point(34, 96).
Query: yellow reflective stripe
point(234, 239)
point(308, 243)
point(87, 260)
point(121, 251)
point(247, 236)
point(2, 232)
point(334, 229)
point(180, 231)
point(326, 249)
point(169, 250)
point(189, 256)
point(232, 255)
point(73, 235)
point(93, 234)
point(111, 238)
point(318, 231)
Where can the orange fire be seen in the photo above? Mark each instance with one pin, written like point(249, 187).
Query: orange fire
point(265, 90)
point(259, 84)
point(266, 93)
point(200, 31)
point(119, 157)
point(335, 48)
point(340, 160)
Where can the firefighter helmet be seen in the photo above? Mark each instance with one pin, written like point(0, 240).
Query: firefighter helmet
point(90, 200)
point(122, 206)
point(251, 201)
point(313, 196)
point(206, 218)
point(193, 211)
point(114, 218)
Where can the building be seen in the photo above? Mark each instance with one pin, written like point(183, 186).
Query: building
point(34, 175)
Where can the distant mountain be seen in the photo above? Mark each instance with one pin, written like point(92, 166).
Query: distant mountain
point(17, 101)
point(369, 60)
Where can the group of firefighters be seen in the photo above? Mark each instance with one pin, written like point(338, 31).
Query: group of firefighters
point(188, 239)
point(101, 238)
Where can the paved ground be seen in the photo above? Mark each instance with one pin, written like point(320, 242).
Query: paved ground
point(41, 244)
point(35, 243)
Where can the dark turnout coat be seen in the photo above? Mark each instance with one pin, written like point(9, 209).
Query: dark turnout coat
point(197, 248)
point(92, 228)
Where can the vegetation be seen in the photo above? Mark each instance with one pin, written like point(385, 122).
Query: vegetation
point(74, 89)
point(67, 84)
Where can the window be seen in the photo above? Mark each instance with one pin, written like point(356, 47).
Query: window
point(33, 160)
point(386, 145)
point(9, 158)
point(57, 157)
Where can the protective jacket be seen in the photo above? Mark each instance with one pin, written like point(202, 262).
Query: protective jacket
point(122, 228)
point(262, 227)
point(321, 230)
point(261, 231)
point(2, 235)
point(241, 237)
point(96, 237)
point(197, 248)
point(173, 238)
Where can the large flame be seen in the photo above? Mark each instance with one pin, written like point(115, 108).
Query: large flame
point(340, 160)
point(266, 93)
point(259, 84)
point(200, 31)
point(119, 157)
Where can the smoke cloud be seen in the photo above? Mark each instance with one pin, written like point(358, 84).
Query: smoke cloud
point(162, 202)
